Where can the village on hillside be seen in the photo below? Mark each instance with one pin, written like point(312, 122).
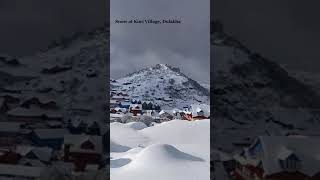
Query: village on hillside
point(158, 128)
point(270, 157)
point(53, 119)
point(37, 141)
point(125, 109)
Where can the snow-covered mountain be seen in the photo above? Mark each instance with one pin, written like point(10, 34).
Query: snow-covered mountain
point(164, 85)
point(254, 96)
point(69, 73)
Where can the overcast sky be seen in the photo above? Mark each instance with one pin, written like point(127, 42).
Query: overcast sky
point(286, 31)
point(185, 45)
point(28, 26)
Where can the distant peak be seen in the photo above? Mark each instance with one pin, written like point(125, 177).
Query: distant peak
point(158, 66)
point(166, 67)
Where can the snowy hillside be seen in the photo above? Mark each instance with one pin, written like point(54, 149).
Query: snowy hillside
point(164, 85)
point(310, 78)
point(69, 74)
point(254, 96)
point(172, 150)
point(46, 97)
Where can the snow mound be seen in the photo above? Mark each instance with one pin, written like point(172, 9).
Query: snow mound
point(119, 162)
point(161, 161)
point(171, 150)
point(114, 147)
point(180, 132)
point(126, 136)
point(137, 125)
point(158, 153)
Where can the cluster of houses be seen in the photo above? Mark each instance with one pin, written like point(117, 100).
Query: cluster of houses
point(34, 136)
point(122, 104)
point(292, 157)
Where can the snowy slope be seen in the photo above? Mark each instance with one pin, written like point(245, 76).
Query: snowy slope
point(69, 73)
point(254, 96)
point(171, 150)
point(164, 85)
point(310, 78)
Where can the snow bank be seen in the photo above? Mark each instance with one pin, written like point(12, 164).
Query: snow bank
point(137, 125)
point(172, 150)
point(125, 135)
point(114, 147)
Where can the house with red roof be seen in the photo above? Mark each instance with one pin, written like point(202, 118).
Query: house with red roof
point(279, 158)
point(82, 150)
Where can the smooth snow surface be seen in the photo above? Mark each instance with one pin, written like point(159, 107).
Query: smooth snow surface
point(137, 125)
point(172, 150)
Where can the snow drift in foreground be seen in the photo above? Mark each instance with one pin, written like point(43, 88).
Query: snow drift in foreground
point(172, 150)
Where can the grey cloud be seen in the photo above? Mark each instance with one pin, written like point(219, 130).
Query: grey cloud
point(28, 26)
point(184, 45)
